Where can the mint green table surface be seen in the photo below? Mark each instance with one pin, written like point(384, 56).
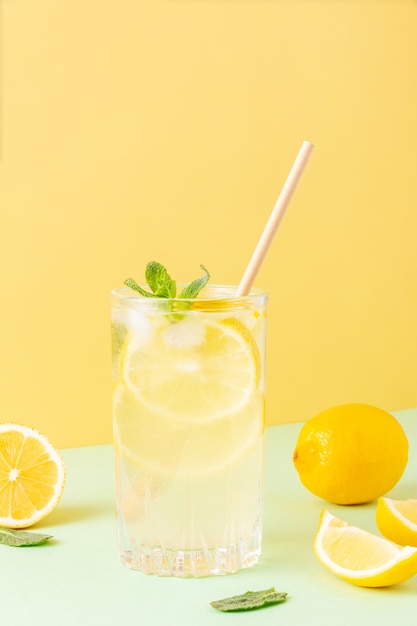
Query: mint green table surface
point(76, 579)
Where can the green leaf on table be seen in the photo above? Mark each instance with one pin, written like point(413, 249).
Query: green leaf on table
point(21, 538)
point(250, 600)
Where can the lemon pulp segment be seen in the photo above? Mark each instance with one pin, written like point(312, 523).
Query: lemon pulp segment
point(32, 476)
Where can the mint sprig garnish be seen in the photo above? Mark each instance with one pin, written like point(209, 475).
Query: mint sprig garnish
point(21, 538)
point(160, 281)
point(194, 288)
point(163, 286)
point(250, 600)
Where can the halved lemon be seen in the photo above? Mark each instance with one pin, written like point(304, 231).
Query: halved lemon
point(360, 557)
point(397, 520)
point(195, 368)
point(32, 476)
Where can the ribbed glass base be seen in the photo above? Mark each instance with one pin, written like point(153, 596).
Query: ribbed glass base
point(192, 563)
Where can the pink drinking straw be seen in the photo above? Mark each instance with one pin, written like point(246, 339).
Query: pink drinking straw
point(275, 218)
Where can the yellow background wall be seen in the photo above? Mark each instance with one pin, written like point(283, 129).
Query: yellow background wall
point(149, 129)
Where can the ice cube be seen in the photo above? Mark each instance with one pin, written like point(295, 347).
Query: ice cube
point(185, 333)
point(135, 322)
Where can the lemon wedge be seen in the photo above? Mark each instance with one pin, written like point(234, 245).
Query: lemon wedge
point(360, 557)
point(397, 520)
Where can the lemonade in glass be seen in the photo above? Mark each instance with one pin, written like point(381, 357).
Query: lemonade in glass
point(188, 415)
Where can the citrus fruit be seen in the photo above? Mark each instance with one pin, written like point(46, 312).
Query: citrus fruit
point(194, 368)
point(360, 557)
point(32, 476)
point(397, 520)
point(351, 454)
point(161, 446)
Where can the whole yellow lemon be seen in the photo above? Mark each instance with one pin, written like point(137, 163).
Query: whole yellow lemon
point(351, 454)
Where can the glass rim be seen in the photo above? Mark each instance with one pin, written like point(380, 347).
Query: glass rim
point(224, 292)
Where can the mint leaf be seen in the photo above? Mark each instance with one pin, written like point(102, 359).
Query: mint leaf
point(160, 281)
point(130, 282)
point(196, 286)
point(21, 538)
point(163, 286)
point(250, 600)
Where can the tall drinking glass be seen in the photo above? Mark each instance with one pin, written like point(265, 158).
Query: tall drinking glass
point(188, 415)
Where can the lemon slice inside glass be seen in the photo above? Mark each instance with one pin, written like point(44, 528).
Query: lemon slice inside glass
point(194, 369)
point(162, 446)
